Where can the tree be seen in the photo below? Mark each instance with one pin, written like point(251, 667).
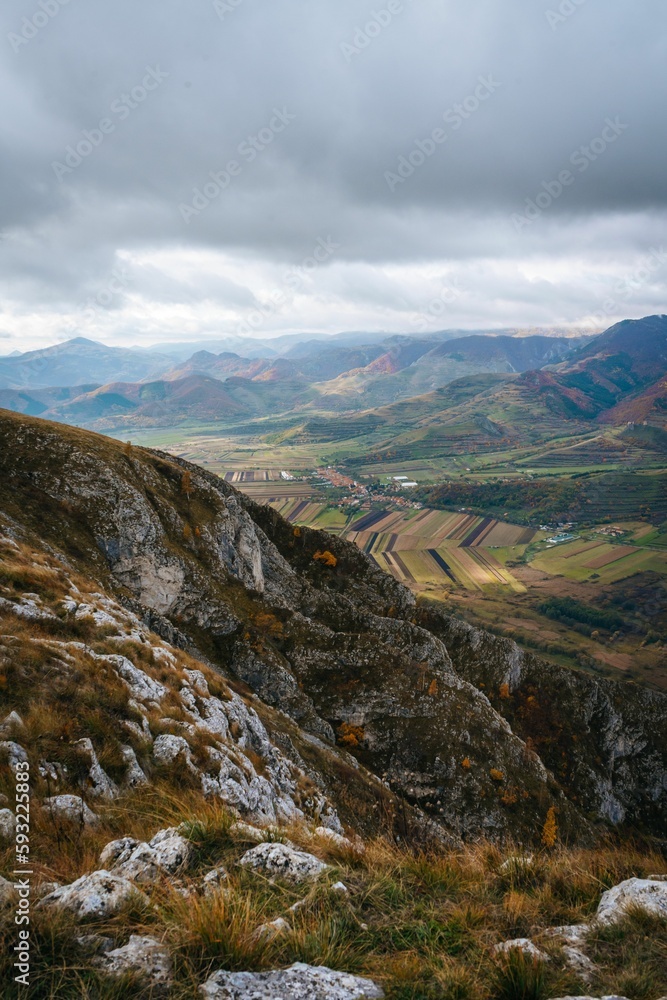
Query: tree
point(550, 828)
point(186, 483)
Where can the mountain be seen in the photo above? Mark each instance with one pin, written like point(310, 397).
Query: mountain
point(249, 749)
point(418, 366)
point(316, 630)
point(79, 361)
point(161, 403)
point(324, 365)
point(620, 363)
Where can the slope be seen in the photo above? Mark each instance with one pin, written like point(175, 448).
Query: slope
point(318, 632)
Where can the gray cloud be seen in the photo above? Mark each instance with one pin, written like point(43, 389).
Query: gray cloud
point(315, 105)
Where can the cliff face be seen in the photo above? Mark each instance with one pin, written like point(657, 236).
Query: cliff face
point(351, 680)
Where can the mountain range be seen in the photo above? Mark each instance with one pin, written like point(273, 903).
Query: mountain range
point(105, 388)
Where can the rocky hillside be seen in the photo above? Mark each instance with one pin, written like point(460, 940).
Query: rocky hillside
point(247, 747)
point(310, 626)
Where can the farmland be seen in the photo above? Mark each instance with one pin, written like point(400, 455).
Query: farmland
point(501, 575)
point(427, 550)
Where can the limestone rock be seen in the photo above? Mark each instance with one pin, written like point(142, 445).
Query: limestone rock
point(634, 892)
point(524, 945)
point(143, 955)
point(10, 723)
point(167, 853)
point(101, 785)
point(279, 860)
point(299, 982)
point(572, 934)
point(244, 831)
point(579, 963)
point(98, 896)
point(70, 807)
point(270, 931)
point(134, 776)
point(7, 824)
point(213, 880)
point(337, 839)
point(15, 753)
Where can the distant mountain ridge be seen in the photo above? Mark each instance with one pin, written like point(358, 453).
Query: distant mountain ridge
point(91, 385)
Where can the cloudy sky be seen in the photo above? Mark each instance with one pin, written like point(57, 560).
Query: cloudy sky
point(176, 169)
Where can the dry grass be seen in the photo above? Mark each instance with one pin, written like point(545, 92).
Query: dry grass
point(422, 923)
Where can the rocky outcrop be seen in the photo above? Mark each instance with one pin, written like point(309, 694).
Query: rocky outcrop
point(143, 956)
point(640, 893)
point(299, 982)
point(97, 896)
point(280, 861)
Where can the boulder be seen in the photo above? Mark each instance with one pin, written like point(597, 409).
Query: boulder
point(281, 861)
point(167, 853)
point(7, 824)
point(15, 753)
point(643, 893)
point(299, 982)
point(98, 896)
point(524, 945)
point(143, 955)
point(70, 807)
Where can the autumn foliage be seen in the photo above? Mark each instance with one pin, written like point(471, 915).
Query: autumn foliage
point(326, 557)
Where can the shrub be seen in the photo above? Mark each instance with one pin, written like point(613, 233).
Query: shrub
point(326, 557)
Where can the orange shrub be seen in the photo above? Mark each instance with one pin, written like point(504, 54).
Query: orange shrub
point(326, 557)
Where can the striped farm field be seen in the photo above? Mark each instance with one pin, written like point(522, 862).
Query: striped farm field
point(422, 548)
point(602, 561)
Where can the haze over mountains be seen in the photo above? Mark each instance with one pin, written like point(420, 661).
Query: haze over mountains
point(614, 378)
point(90, 384)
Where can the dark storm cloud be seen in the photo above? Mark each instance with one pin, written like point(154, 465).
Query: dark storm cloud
point(409, 132)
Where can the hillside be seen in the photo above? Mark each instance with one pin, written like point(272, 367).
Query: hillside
point(417, 368)
point(215, 564)
point(200, 690)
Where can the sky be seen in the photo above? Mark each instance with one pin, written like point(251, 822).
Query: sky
point(190, 169)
